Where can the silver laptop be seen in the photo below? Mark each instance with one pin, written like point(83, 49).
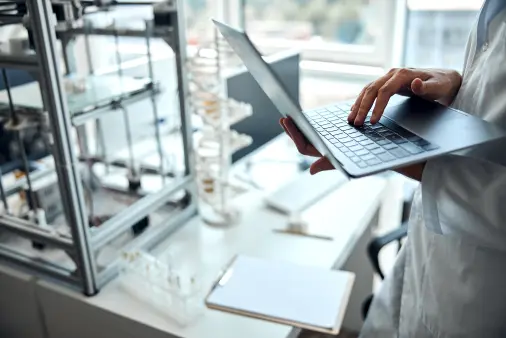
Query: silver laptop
point(411, 130)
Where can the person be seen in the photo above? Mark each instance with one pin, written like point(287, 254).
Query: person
point(449, 278)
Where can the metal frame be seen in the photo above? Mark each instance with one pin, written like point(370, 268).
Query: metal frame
point(84, 243)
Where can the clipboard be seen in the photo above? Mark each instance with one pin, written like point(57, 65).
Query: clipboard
point(258, 298)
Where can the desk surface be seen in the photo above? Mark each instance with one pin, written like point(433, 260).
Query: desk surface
point(346, 213)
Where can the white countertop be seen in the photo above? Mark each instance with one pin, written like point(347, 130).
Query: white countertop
point(345, 213)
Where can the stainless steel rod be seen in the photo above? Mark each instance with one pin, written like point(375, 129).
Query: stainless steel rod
point(134, 213)
point(34, 232)
point(154, 106)
point(3, 195)
point(80, 119)
point(42, 24)
point(25, 62)
point(45, 268)
point(21, 182)
point(122, 32)
point(87, 26)
point(179, 43)
point(21, 144)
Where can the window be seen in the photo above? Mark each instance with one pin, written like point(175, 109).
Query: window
point(442, 43)
point(198, 20)
point(343, 31)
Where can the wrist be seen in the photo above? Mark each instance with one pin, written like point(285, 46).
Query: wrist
point(455, 82)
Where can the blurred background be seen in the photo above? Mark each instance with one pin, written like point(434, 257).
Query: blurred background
point(346, 42)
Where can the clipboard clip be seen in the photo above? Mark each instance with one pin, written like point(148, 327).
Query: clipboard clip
point(224, 276)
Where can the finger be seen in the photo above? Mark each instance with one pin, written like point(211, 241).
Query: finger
point(303, 146)
point(430, 89)
point(369, 97)
point(390, 88)
point(356, 105)
point(282, 123)
point(322, 164)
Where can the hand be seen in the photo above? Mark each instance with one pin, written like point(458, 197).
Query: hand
point(431, 84)
point(414, 171)
point(304, 147)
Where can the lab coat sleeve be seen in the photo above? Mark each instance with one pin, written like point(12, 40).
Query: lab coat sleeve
point(465, 196)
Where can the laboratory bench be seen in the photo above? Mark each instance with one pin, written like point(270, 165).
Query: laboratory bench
point(31, 307)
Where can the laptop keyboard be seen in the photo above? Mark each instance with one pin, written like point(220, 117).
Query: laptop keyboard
point(367, 145)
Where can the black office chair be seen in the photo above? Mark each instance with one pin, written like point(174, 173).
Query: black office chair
point(377, 244)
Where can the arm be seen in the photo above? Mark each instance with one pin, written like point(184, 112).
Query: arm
point(414, 171)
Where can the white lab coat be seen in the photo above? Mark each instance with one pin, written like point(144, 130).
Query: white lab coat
point(450, 277)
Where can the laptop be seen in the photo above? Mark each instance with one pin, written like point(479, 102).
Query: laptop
point(411, 129)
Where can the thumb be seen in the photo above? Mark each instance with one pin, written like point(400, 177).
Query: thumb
point(321, 164)
point(430, 88)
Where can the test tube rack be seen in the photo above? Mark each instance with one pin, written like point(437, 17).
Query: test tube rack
point(217, 141)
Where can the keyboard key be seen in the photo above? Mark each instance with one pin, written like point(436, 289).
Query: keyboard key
point(324, 133)
point(390, 146)
point(376, 138)
point(361, 164)
point(333, 108)
point(367, 157)
point(350, 143)
point(383, 142)
point(413, 138)
point(386, 157)
point(366, 142)
point(406, 134)
point(411, 148)
point(430, 147)
point(355, 134)
point(399, 153)
point(348, 154)
point(395, 138)
point(355, 159)
point(400, 141)
point(376, 126)
point(378, 151)
point(362, 138)
point(355, 148)
point(331, 129)
point(371, 146)
point(311, 113)
point(382, 130)
point(373, 161)
point(345, 139)
point(421, 143)
point(361, 152)
point(333, 140)
point(388, 135)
